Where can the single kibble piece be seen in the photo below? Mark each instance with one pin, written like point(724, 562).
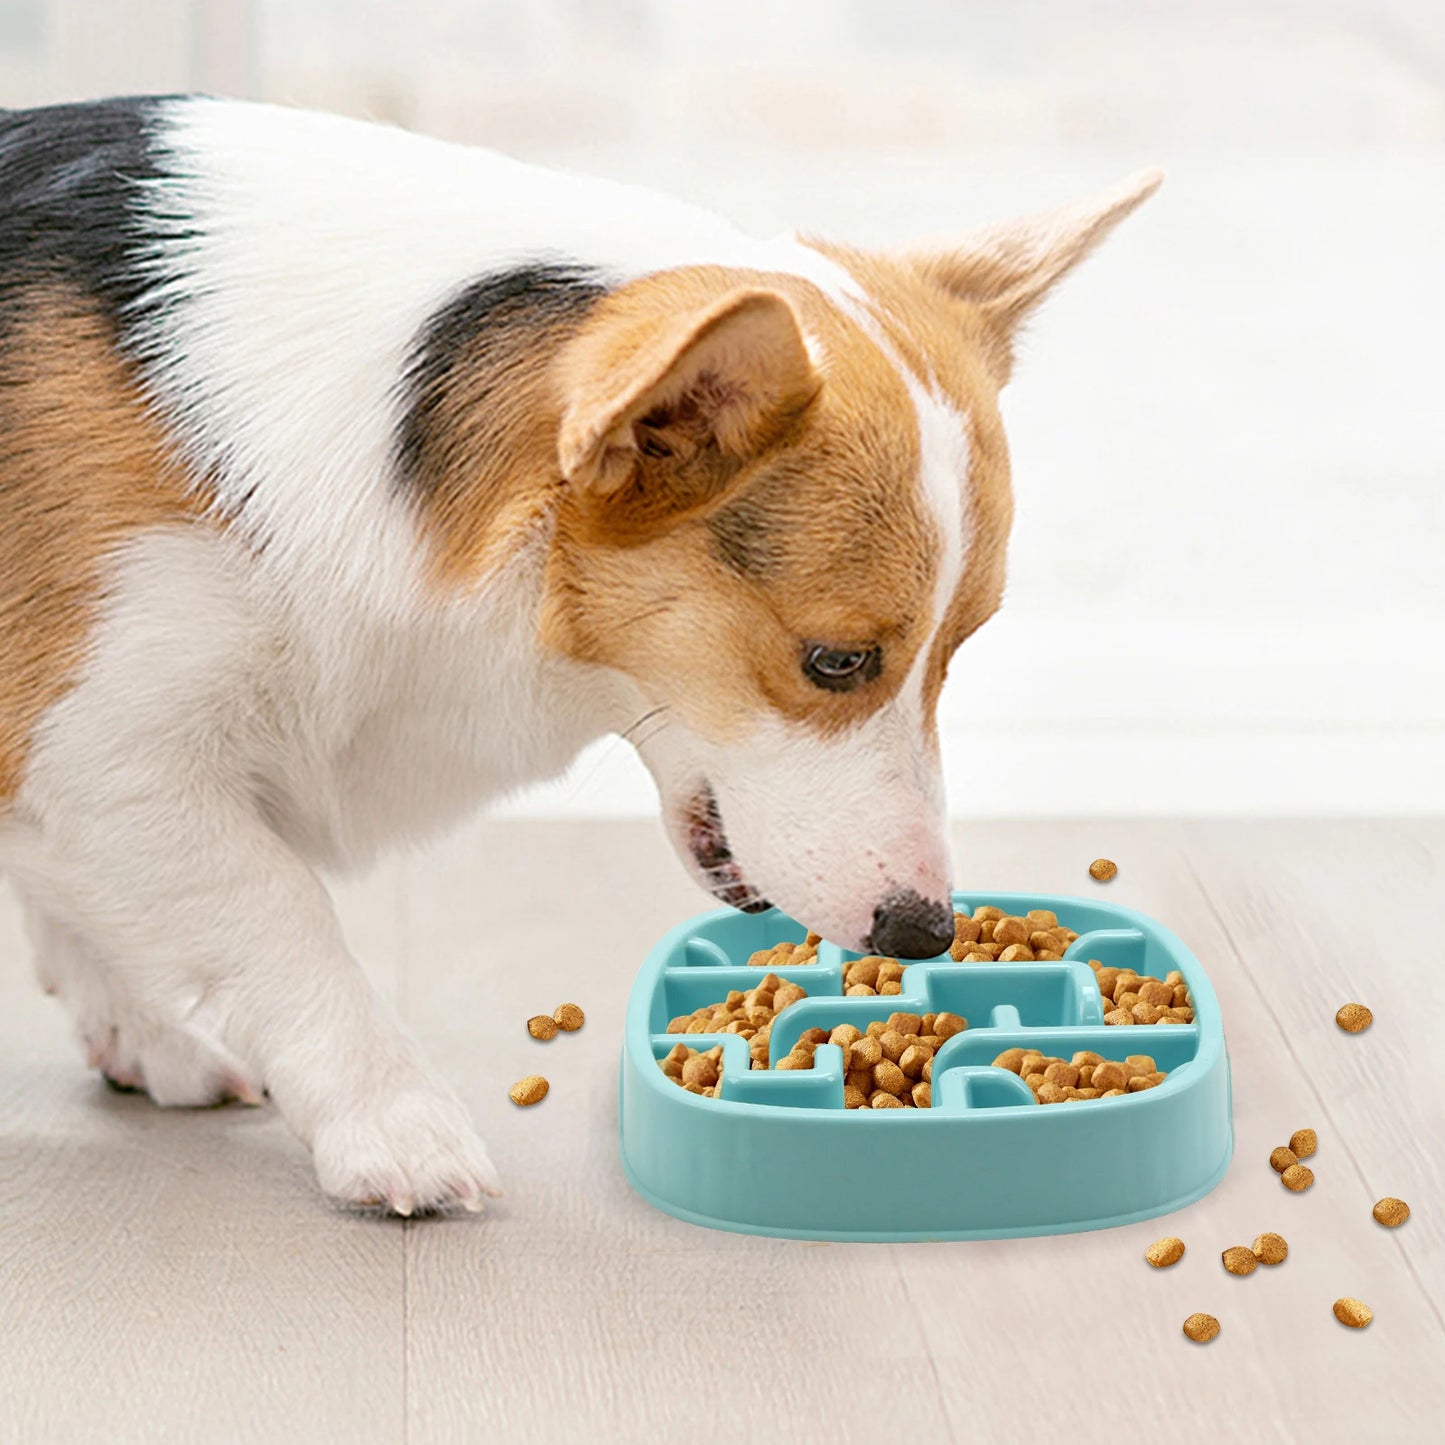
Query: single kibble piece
point(542, 1026)
point(1164, 1252)
point(1103, 869)
point(531, 1090)
point(1354, 1018)
point(1270, 1249)
point(1239, 1260)
point(947, 1024)
point(1354, 1313)
point(1201, 1328)
point(1297, 1177)
point(569, 1018)
point(1303, 1143)
point(1392, 1213)
point(1281, 1159)
point(700, 1069)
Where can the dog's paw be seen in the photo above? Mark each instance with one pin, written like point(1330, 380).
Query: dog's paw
point(177, 1069)
point(413, 1153)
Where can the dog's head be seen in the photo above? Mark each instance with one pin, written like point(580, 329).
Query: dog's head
point(787, 504)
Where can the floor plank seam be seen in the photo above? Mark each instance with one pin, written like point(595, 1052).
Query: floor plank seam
point(920, 1316)
point(406, 1332)
point(1305, 1074)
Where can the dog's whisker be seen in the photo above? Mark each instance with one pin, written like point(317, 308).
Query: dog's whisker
point(627, 732)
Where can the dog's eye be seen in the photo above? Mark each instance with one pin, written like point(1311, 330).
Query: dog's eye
point(840, 669)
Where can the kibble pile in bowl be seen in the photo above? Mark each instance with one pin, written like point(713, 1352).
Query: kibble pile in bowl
point(889, 1064)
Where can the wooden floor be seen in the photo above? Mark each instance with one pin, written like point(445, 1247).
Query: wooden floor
point(175, 1276)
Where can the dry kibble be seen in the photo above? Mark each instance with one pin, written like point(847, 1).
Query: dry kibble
point(1392, 1213)
point(913, 1059)
point(1010, 1059)
point(569, 1018)
point(1270, 1249)
point(1050, 1093)
point(1164, 1252)
point(1008, 931)
point(884, 1100)
point(700, 1069)
point(864, 1053)
point(1239, 1260)
point(1066, 1076)
point(542, 1026)
point(1303, 1143)
point(1110, 1076)
point(1297, 1177)
point(1017, 953)
point(890, 1078)
point(1102, 870)
point(1201, 1328)
point(1281, 1159)
point(1354, 1313)
point(1354, 1018)
point(923, 1095)
point(947, 1024)
point(893, 1044)
point(531, 1090)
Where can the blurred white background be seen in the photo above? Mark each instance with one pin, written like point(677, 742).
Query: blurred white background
point(1228, 578)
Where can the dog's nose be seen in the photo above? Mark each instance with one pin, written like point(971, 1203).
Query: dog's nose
point(906, 925)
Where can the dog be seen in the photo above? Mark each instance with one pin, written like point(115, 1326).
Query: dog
point(350, 478)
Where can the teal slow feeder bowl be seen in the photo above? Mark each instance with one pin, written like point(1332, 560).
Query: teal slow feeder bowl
point(776, 1152)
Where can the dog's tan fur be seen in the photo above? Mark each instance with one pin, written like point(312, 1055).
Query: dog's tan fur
point(818, 473)
point(82, 467)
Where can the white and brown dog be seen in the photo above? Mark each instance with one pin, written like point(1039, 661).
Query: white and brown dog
point(349, 478)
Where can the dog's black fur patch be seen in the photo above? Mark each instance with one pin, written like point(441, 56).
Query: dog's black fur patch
point(71, 179)
point(491, 326)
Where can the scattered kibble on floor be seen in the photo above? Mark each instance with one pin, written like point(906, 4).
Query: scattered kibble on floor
point(1352, 1312)
point(1201, 1328)
point(1354, 1018)
point(1271, 1249)
point(1392, 1213)
point(568, 1017)
point(1239, 1260)
point(1103, 869)
point(542, 1026)
point(1303, 1143)
point(1281, 1159)
point(1164, 1252)
point(1297, 1178)
point(531, 1090)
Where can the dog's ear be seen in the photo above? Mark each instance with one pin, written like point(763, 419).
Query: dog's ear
point(663, 404)
point(1007, 269)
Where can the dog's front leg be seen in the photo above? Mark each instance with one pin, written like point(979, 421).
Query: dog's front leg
point(224, 934)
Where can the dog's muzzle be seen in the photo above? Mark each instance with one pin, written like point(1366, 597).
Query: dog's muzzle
point(708, 843)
